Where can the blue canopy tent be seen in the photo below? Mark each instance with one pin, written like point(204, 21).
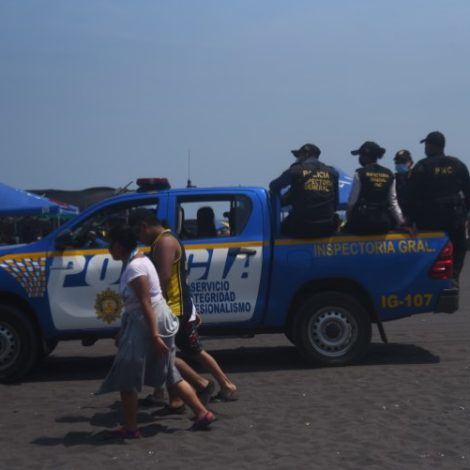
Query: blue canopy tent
point(16, 202)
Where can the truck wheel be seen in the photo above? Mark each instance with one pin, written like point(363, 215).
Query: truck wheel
point(332, 328)
point(18, 344)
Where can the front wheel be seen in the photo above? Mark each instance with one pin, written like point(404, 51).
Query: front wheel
point(332, 328)
point(18, 344)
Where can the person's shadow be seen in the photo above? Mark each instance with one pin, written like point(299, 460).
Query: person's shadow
point(109, 421)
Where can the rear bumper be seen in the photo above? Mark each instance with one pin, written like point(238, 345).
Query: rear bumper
point(448, 301)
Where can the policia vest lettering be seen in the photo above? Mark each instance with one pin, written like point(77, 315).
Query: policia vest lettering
point(376, 181)
point(314, 198)
point(178, 292)
point(371, 213)
point(313, 192)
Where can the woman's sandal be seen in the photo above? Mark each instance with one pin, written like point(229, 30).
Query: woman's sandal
point(170, 410)
point(151, 400)
point(123, 433)
point(206, 393)
point(222, 395)
point(203, 423)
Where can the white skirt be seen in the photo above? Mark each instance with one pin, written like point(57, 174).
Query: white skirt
point(137, 362)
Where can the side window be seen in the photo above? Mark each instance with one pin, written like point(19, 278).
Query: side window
point(92, 232)
point(224, 216)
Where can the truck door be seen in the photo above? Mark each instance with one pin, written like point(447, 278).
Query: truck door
point(83, 281)
point(223, 235)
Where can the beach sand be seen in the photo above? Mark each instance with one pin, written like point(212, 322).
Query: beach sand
point(405, 406)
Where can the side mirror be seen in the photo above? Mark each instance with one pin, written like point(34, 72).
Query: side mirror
point(64, 240)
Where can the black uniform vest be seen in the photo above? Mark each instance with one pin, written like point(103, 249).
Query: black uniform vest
point(371, 213)
point(376, 181)
point(314, 191)
point(437, 189)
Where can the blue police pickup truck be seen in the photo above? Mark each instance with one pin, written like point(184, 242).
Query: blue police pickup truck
point(324, 294)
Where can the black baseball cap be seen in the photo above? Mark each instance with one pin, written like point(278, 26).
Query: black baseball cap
point(403, 156)
point(369, 149)
point(308, 150)
point(435, 138)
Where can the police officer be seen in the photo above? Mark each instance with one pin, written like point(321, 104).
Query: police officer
point(313, 195)
point(372, 204)
point(440, 195)
point(403, 165)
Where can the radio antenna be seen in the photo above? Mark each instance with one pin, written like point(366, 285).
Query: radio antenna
point(189, 184)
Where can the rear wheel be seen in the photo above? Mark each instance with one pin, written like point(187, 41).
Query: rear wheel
point(18, 344)
point(332, 328)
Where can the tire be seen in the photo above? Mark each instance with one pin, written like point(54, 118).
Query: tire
point(332, 328)
point(19, 344)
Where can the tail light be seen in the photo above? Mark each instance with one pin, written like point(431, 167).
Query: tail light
point(443, 266)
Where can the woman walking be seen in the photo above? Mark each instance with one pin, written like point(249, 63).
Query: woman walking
point(146, 349)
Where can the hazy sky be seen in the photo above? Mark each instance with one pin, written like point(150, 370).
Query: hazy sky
point(101, 92)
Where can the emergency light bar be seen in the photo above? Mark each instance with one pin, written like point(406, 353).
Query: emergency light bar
point(152, 184)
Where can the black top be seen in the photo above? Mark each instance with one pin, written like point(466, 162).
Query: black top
point(439, 181)
point(313, 190)
point(376, 181)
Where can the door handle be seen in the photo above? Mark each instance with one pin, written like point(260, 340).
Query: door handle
point(244, 251)
point(68, 266)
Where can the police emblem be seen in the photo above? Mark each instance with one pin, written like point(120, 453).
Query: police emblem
point(108, 306)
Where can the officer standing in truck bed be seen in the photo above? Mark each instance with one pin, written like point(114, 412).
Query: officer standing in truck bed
point(440, 195)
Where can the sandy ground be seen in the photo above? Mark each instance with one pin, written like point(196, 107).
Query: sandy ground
point(406, 406)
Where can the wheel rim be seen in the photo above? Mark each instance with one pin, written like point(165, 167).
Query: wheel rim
point(332, 331)
point(9, 346)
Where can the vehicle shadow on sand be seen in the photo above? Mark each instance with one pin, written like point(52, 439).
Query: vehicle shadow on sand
point(235, 360)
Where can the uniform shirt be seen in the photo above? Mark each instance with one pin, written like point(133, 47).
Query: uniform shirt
point(313, 190)
point(436, 179)
point(391, 198)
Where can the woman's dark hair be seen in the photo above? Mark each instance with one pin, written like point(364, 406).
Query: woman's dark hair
point(124, 235)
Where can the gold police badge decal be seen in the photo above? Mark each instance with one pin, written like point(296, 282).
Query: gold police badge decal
point(108, 306)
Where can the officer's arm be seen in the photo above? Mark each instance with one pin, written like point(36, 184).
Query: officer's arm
point(336, 189)
point(354, 194)
point(165, 254)
point(466, 186)
point(281, 182)
point(286, 199)
point(392, 199)
point(413, 191)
